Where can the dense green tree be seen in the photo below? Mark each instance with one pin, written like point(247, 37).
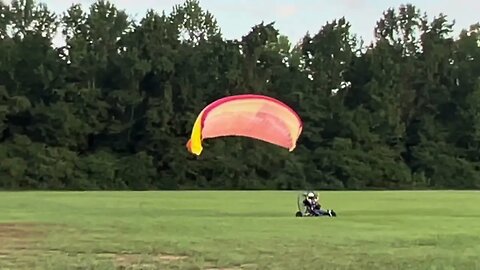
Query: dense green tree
point(113, 106)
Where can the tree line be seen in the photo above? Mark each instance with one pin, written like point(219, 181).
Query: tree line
point(113, 107)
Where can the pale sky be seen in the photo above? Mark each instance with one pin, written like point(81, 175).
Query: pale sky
point(295, 17)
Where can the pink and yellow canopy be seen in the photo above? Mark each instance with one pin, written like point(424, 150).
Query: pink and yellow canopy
point(254, 116)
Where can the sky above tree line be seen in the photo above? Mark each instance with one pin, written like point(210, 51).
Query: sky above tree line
point(295, 18)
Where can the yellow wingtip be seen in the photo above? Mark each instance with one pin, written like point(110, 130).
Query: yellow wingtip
point(194, 144)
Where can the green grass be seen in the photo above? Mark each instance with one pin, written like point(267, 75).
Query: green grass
point(253, 230)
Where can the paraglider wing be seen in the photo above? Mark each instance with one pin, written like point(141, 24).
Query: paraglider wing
point(254, 116)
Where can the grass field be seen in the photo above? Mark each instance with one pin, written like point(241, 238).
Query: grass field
point(238, 230)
